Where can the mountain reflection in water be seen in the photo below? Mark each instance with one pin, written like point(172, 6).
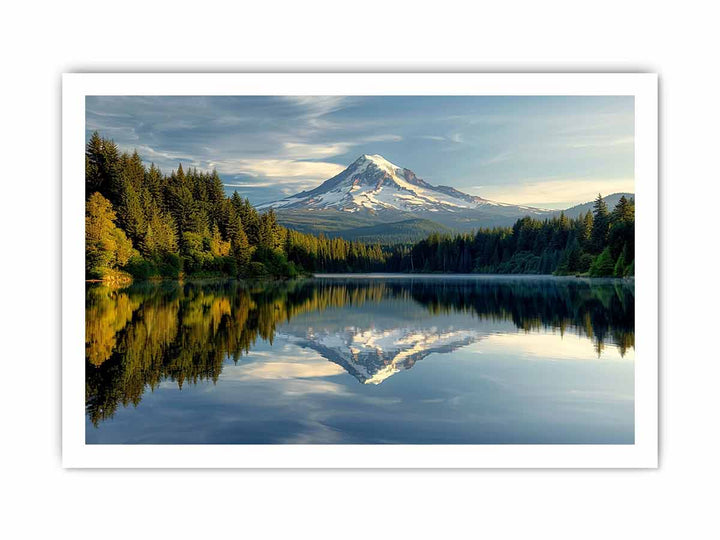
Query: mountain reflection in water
point(142, 335)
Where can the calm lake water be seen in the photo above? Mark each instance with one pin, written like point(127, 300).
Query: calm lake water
point(362, 359)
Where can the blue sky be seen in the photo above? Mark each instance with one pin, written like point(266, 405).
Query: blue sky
point(551, 152)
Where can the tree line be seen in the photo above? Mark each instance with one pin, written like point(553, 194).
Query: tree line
point(142, 223)
point(599, 243)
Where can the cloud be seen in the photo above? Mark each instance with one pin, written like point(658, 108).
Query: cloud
point(381, 138)
point(318, 105)
point(314, 109)
point(326, 150)
point(250, 184)
point(497, 158)
point(152, 154)
point(311, 151)
point(286, 169)
point(553, 193)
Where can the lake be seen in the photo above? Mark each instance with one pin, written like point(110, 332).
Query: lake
point(362, 360)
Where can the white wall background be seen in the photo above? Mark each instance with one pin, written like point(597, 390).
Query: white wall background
point(41, 40)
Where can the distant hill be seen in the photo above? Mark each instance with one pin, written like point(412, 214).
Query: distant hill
point(610, 200)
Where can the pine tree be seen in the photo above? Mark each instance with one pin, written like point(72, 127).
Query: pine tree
point(603, 265)
point(249, 218)
point(241, 249)
point(102, 168)
point(585, 230)
point(624, 211)
point(601, 224)
point(93, 164)
point(131, 216)
point(619, 270)
point(218, 247)
point(161, 236)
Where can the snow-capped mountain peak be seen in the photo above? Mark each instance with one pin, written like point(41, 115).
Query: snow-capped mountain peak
point(377, 160)
point(372, 182)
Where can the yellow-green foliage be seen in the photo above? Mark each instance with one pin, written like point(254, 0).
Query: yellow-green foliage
point(107, 249)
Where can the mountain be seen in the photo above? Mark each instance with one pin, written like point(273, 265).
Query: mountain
point(373, 183)
point(610, 200)
point(374, 191)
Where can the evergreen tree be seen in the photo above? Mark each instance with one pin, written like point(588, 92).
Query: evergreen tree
point(585, 230)
point(131, 216)
point(603, 265)
point(218, 247)
point(624, 211)
point(619, 270)
point(241, 249)
point(102, 168)
point(601, 225)
point(161, 236)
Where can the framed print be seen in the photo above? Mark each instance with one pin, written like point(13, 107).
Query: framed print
point(360, 270)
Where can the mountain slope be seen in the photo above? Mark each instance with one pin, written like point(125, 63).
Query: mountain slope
point(408, 230)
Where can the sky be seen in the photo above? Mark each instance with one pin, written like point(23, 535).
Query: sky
point(544, 151)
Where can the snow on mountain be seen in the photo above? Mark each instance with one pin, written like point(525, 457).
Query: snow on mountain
point(372, 355)
point(373, 183)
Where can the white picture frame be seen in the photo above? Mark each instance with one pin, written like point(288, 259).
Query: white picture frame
point(642, 454)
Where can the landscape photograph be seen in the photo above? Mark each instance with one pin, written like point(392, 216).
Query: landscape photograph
point(424, 270)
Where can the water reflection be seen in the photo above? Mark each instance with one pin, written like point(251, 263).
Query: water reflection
point(142, 336)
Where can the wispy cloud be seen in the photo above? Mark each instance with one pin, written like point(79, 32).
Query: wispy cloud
point(327, 150)
point(250, 184)
point(381, 138)
point(497, 158)
point(287, 169)
point(315, 109)
point(554, 193)
point(312, 151)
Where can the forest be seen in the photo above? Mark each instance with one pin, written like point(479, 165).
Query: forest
point(143, 224)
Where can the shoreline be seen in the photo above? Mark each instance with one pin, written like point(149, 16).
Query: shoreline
point(370, 275)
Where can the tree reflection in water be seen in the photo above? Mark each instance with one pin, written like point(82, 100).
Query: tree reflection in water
point(141, 335)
